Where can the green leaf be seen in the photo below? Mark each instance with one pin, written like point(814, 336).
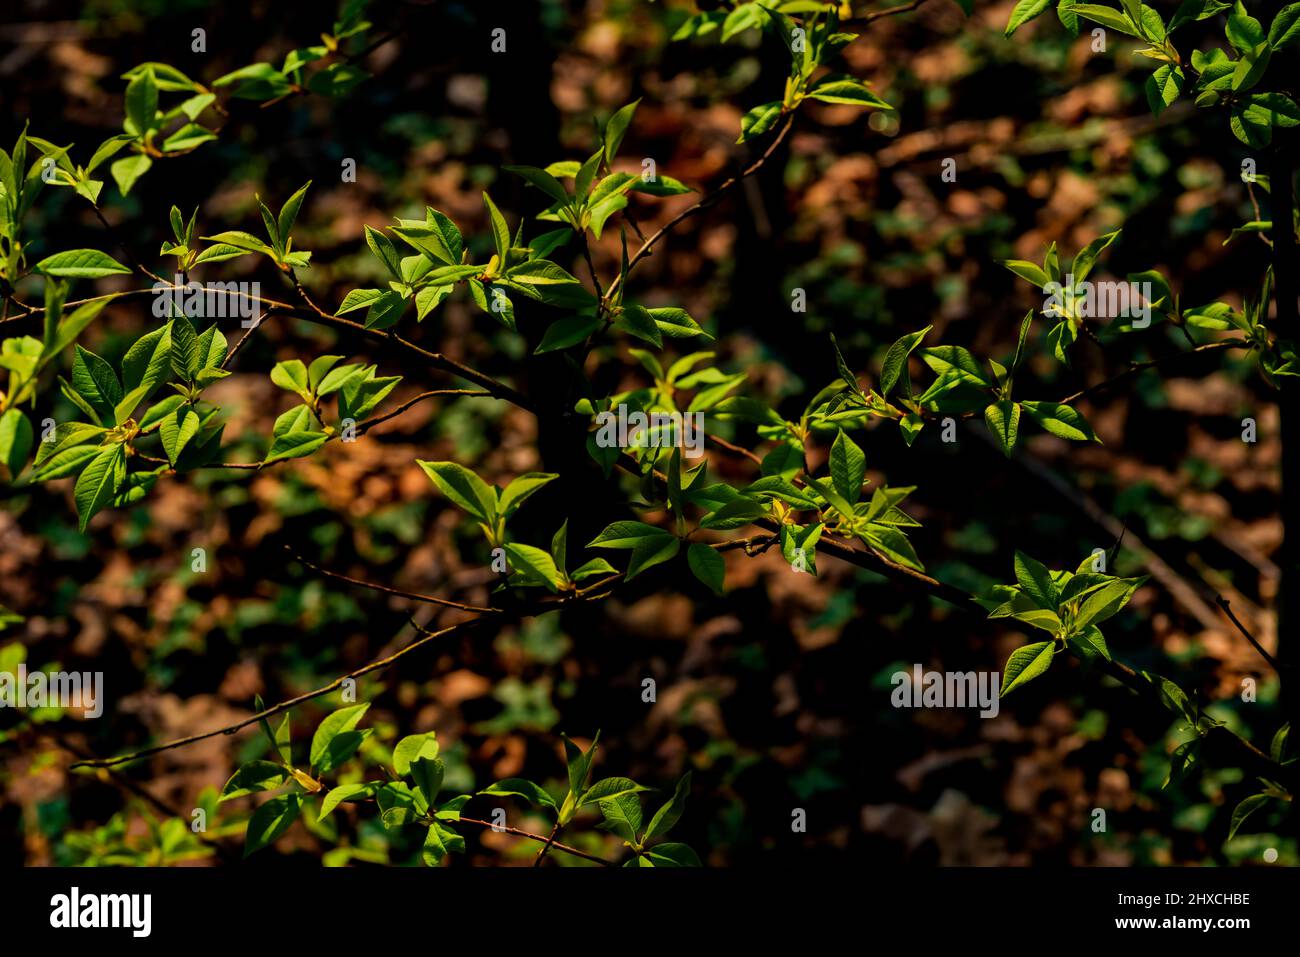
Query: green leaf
point(72, 326)
point(956, 362)
point(385, 252)
point(565, 333)
point(521, 787)
point(1036, 581)
point(1106, 601)
point(668, 815)
point(99, 482)
point(270, 821)
point(848, 468)
point(609, 789)
point(252, 777)
point(707, 565)
point(265, 725)
point(81, 264)
point(1163, 87)
point(838, 88)
point(1285, 27)
point(1061, 420)
point(622, 816)
point(15, 441)
point(736, 513)
point(521, 488)
point(427, 773)
point(1244, 810)
point(295, 445)
point(500, 231)
point(1029, 271)
point(637, 321)
point(1173, 698)
point(359, 299)
point(69, 461)
point(676, 323)
point(597, 566)
point(186, 138)
point(627, 534)
point(1064, 12)
point(292, 375)
point(320, 368)
point(360, 394)
point(893, 544)
point(439, 841)
point(344, 792)
point(463, 487)
point(759, 120)
point(1254, 123)
point(1244, 31)
point(1020, 608)
point(411, 748)
point(110, 147)
point(1086, 258)
point(283, 737)
point(1108, 17)
point(895, 367)
point(543, 180)
point(534, 565)
point(127, 171)
point(651, 552)
point(1277, 749)
point(672, 854)
point(616, 128)
point(141, 102)
point(1003, 419)
point(344, 719)
point(1026, 664)
point(177, 430)
point(289, 211)
point(579, 767)
point(1024, 11)
point(185, 352)
point(1251, 67)
point(148, 361)
point(385, 311)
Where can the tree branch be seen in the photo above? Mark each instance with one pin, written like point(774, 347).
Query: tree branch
point(424, 639)
point(1227, 610)
point(537, 837)
point(373, 586)
point(704, 203)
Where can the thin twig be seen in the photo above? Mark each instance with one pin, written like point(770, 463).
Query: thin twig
point(424, 639)
point(374, 586)
point(891, 11)
point(1227, 610)
point(536, 837)
point(124, 247)
point(704, 203)
point(550, 842)
point(1136, 367)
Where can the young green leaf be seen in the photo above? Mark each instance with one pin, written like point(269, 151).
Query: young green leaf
point(270, 821)
point(707, 565)
point(668, 815)
point(1026, 664)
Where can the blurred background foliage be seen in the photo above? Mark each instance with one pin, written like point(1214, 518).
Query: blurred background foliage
point(776, 696)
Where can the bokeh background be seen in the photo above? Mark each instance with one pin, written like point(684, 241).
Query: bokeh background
point(776, 696)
